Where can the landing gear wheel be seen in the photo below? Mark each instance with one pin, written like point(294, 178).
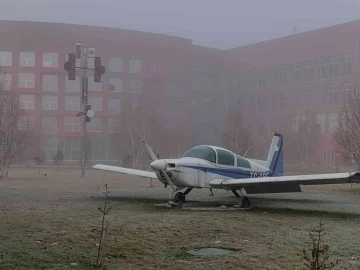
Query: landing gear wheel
point(180, 196)
point(245, 203)
point(178, 203)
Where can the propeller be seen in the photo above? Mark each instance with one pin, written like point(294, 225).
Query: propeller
point(158, 165)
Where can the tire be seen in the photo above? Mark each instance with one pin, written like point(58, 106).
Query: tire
point(179, 203)
point(245, 202)
point(180, 196)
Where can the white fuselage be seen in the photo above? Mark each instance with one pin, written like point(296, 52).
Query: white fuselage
point(197, 173)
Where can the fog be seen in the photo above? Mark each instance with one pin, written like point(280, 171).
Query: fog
point(212, 23)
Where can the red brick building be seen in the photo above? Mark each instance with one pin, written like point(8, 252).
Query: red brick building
point(138, 66)
point(308, 71)
point(190, 86)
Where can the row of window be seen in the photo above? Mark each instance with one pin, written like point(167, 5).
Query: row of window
point(51, 59)
point(71, 148)
point(49, 125)
point(322, 68)
point(27, 59)
point(305, 98)
point(50, 83)
point(325, 124)
point(72, 103)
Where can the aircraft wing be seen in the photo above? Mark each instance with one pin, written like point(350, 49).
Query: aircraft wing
point(125, 171)
point(311, 179)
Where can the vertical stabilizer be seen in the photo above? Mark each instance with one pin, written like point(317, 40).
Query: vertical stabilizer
point(275, 160)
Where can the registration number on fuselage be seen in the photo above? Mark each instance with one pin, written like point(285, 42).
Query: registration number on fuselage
point(258, 175)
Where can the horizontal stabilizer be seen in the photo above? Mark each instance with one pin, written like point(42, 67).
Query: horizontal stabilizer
point(311, 179)
point(125, 171)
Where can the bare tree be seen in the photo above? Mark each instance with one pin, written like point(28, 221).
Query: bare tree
point(235, 136)
point(347, 135)
point(16, 133)
point(133, 129)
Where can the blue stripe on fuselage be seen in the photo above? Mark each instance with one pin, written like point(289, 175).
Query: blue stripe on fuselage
point(231, 173)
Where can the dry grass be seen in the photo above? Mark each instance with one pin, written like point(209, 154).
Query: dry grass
point(62, 208)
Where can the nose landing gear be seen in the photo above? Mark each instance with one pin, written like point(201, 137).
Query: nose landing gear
point(179, 198)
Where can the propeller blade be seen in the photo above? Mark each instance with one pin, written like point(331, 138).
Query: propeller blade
point(150, 151)
point(168, 180)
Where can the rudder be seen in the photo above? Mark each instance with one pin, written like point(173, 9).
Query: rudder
point(275, 160)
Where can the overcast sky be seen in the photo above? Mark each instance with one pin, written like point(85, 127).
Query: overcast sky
point(224, 23)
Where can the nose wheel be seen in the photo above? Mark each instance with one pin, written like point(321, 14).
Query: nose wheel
point(179, 198)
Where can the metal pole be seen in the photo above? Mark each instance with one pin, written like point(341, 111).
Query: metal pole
point(84, 93)
point(226, 83)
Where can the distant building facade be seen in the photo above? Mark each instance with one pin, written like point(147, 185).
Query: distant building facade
point(191, 87)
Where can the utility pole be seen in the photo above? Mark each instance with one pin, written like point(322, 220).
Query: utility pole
point(82, 55)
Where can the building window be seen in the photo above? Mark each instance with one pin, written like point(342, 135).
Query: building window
point(5, 59)
point(154, 70)
point(5, 81)
point(50, 59)
point(115, 64)
point(135, 86)
point(72, 149)
point(320, 120)
point(306, 71)
point(333, 122)
point(72, 86)
point(333, 95)
point(320, 68)
point(49, 83)
point(174, 72)
point(297, 72)
point(346, 65)
point(27, 102)
point(346, 93)
point(72, 103)
point(93, 86)
point(282, 75)
point(331, 67)
point(134, 66)
point(113, 124)
point(26, 80)
point(94, 125)
point(26, 123)
point(261, 103)
point(51, 146)
point(27, 59)
point(72, 123)
point(134, 105)
point(114, 106)
point(49, 125)
point(115, 84)
point(174, 90)
point(329, 157)
point(49, 103)
point(96, 103)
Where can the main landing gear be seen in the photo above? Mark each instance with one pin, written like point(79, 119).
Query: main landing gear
point(179, 198)
point(244, 201)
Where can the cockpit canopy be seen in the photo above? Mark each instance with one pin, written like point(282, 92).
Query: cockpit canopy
point(203, 152)
point(224, 157)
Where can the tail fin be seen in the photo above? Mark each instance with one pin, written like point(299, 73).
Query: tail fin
point(275, 160)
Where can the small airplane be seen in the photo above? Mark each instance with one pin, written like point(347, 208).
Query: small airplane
point(212, 167)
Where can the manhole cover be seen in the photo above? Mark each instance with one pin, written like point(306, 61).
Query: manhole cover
point(210, 251)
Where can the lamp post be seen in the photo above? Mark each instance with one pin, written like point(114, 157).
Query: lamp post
point(81, 56)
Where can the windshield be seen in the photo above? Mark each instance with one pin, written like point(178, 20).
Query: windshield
point(203, 152)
